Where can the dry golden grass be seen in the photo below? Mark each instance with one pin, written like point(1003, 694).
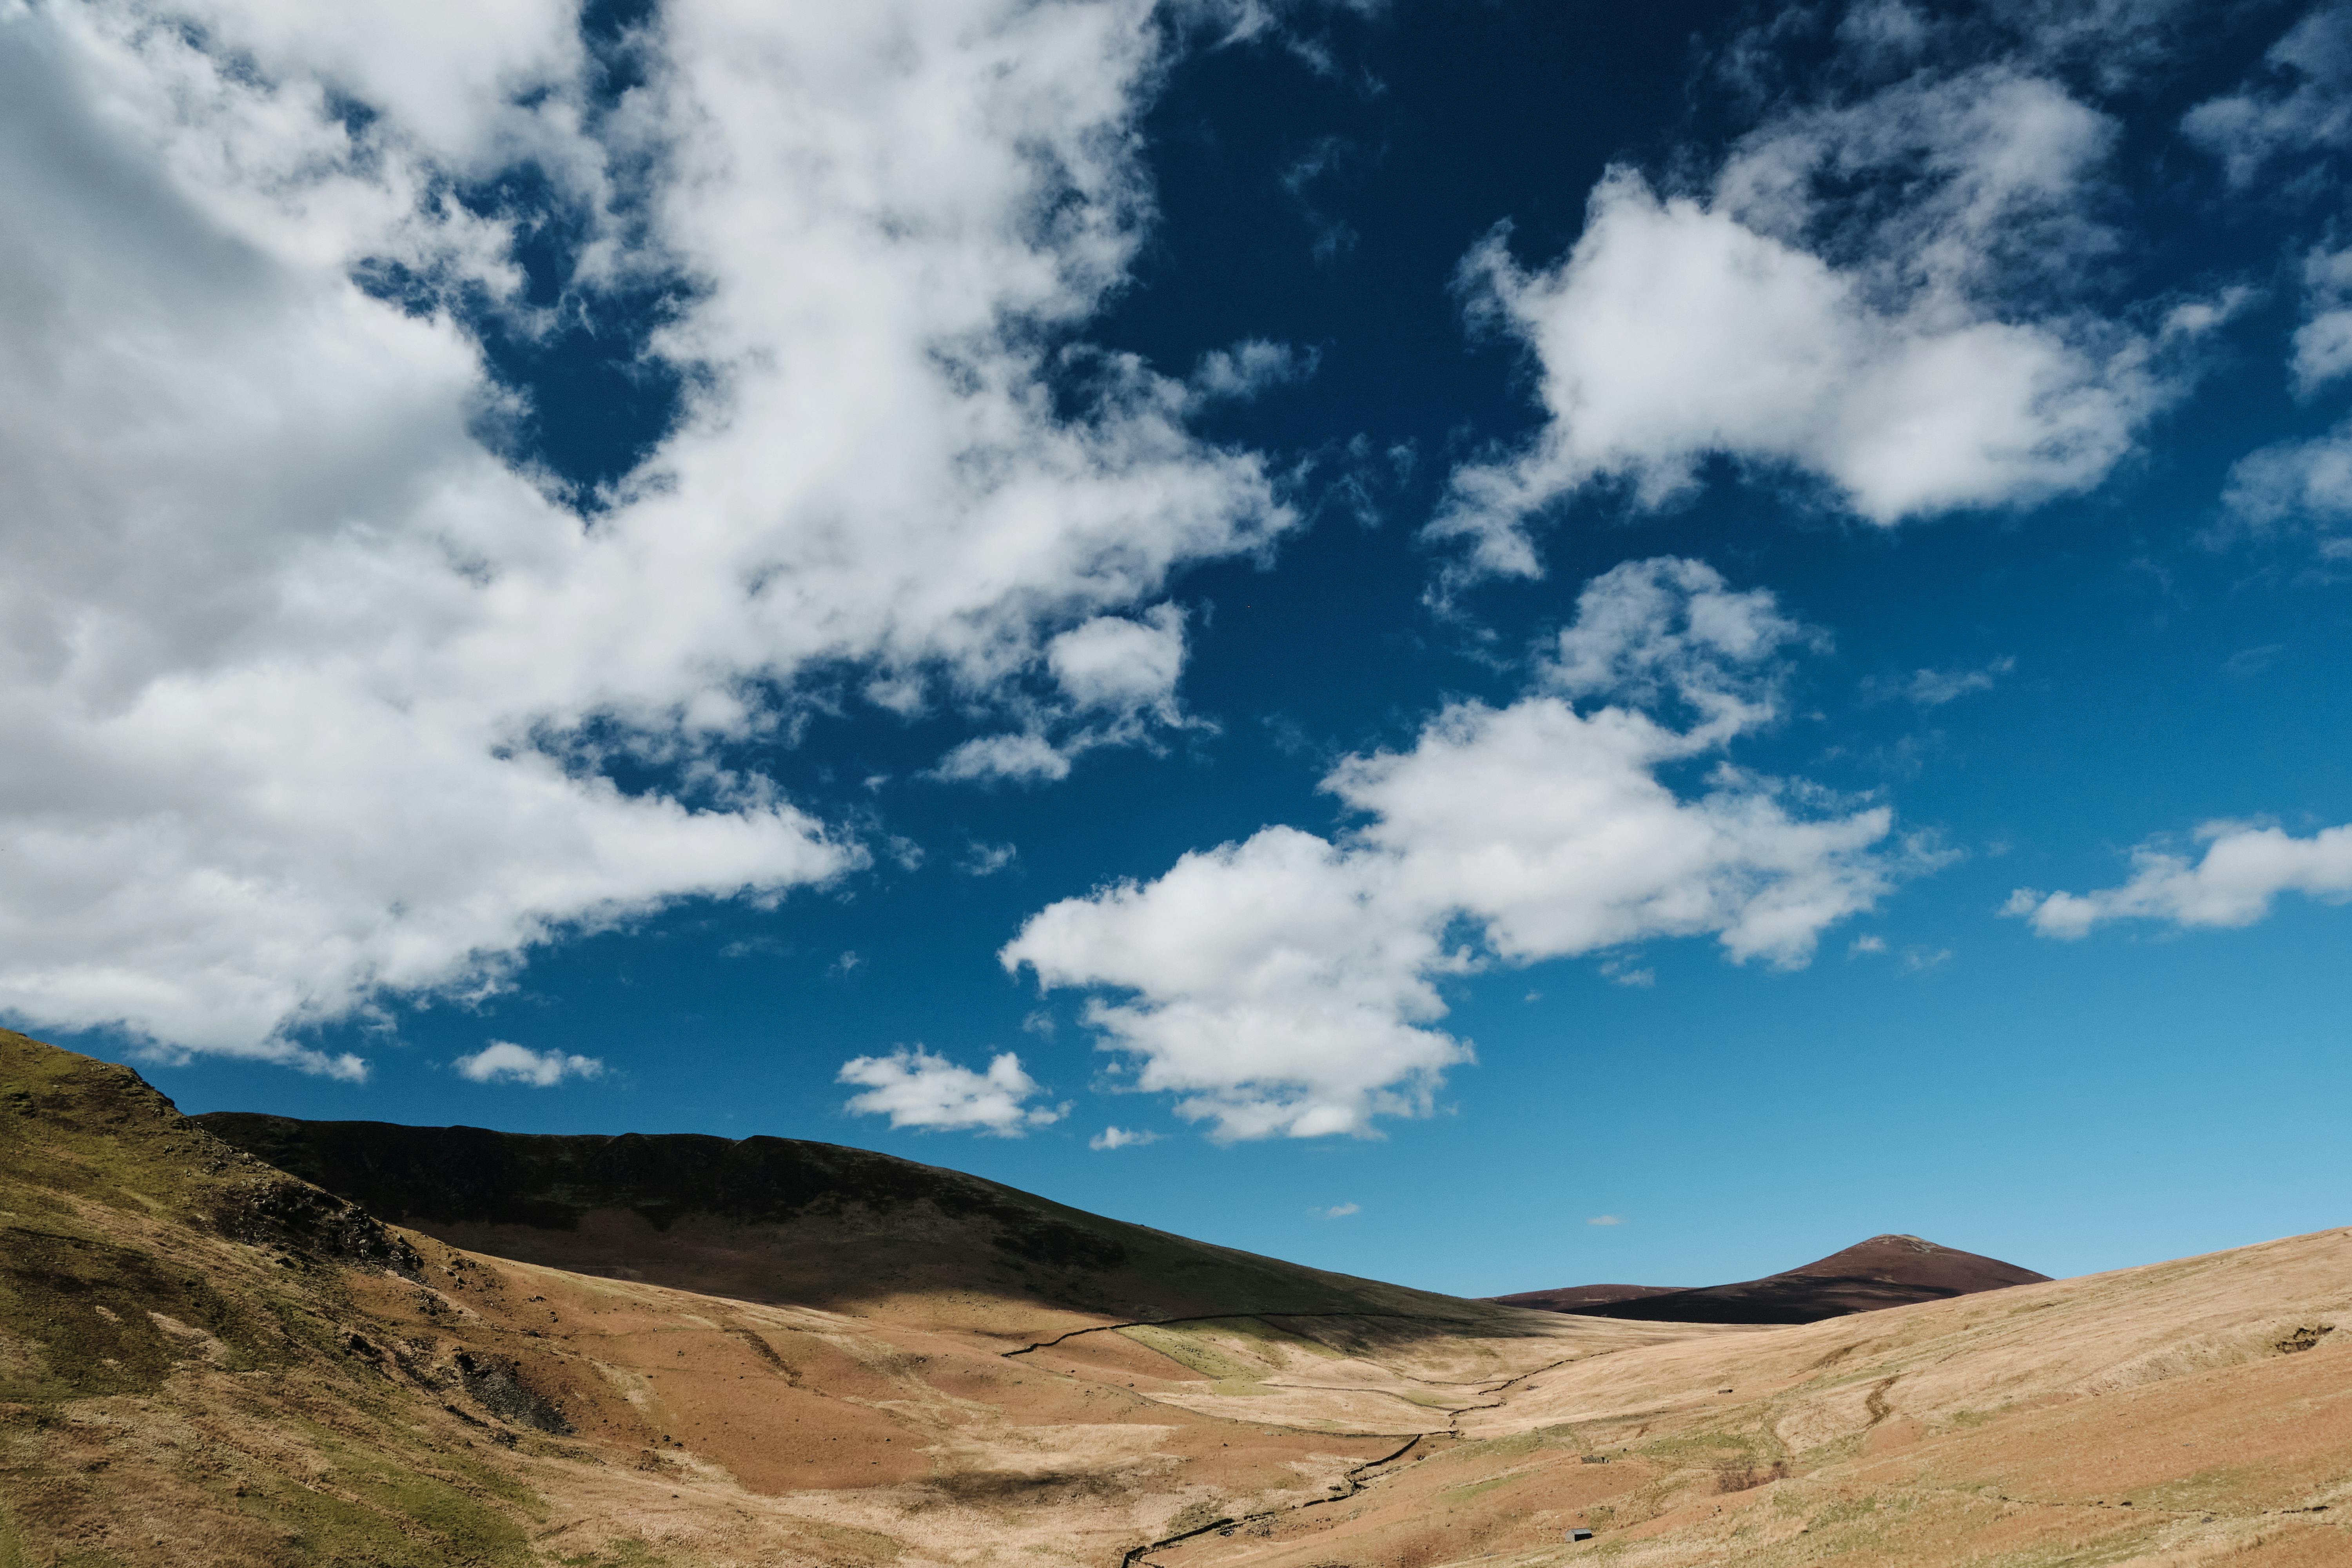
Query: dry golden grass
point(179, 1384)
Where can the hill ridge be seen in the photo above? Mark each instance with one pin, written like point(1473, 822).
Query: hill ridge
point(768, 1218)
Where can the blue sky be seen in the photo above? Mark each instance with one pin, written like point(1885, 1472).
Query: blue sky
point(1481, 644)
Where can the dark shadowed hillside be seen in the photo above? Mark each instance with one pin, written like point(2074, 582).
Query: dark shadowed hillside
point(1585, 1298)
point(777, 1219)
point(1884, 1272)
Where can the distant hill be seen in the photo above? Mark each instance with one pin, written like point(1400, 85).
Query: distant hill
point(1884, 1272)
point(1583, 1298)
point(779, 1219)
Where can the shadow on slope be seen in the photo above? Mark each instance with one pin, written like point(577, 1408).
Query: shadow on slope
point(780, 1220)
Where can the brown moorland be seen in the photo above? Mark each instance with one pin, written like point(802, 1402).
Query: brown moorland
point(205, 1359)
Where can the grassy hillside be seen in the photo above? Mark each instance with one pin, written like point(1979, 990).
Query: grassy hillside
point(207, 1360)
point(775, 1219)
point(177, 1360)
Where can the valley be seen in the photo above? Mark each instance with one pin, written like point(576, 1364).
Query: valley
point(600, 1352)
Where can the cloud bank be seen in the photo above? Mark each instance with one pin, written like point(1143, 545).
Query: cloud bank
point(313, 686)
point(1287, 986)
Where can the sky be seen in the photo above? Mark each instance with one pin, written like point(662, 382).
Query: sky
point(1494, 646)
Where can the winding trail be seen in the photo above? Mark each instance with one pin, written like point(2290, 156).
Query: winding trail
point(1353, 1481)
point(1349, 1485)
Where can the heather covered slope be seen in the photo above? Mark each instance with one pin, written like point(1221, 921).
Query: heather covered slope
point(775, 1219)
point(1883, 1271)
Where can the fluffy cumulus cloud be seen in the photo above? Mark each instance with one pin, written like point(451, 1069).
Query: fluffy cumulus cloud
point(1870, 293)
point(1288, 985)
point(311, 685)
point(915, 1089)
point(503, 1061)
point(1114, 681)
point(2241, 873)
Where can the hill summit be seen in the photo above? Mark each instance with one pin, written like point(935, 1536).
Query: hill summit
point(1883, 1271)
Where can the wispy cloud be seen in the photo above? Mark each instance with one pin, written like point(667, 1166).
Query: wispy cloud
point(1336, 1211)
point(2248, 662)
point(1120, 1137)
point(1605, 1219)
point(987, 859)
point(1933, 688)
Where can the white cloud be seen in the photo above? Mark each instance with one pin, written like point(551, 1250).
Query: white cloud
point(1336, 1211)
point(2295, 482)
point(1287, 985)
point(987, 859)
point(915, 1089)
point(2304, 103)
point(1870, 343)
point(1120, 1137)
point(2323, 344)
point(1249, 368)
point(1119, 665)
point(1933, 688)
point(2308, 481)
point(1116, 676)
point(1024, 758)
point(298, 675)
point(2242, 870)
point(503, 1061)
point(1604, 1219)
point(1621, 971)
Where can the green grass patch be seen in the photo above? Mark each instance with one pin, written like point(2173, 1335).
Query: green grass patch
point(1192, 1354)
point(1475, 1488)
point(83, 1304)
point(630, 1552)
